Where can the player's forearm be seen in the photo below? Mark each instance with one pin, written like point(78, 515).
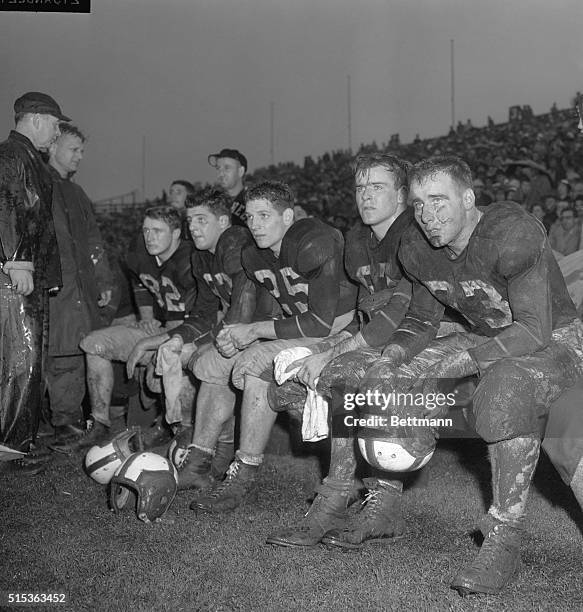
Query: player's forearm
point(264, 329)
point(353, 343)
point(146, 313)
point(153, 342)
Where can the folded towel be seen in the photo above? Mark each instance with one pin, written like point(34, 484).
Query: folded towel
point(315, 416)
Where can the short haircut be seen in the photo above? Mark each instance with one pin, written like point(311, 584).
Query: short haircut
point(18, 117)
point(454, 167)
point(72, 130)
point(277, 193)
point(165, 213)
point(186, 184)
point(398, 167)
point(216, 200)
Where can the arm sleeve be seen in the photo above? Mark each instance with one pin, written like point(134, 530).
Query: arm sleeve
point(103, 273)
point(16, 215)
point(420, 325)
point(524, 263)
point(387, 319)
point(320, 264)
point(142, 297)
point(243, 299)
point(200, 317)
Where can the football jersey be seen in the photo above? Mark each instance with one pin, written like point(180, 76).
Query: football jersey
point(170, 286)
point(238, 209)
point(308, 279)
point(384, 293)
point(506, 284)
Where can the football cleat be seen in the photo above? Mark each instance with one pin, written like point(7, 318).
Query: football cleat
point(228, 494)
point(222, 459)
point(153, 481)
point(95, 434)
point(101, 462)
point(378, 520)
point(497, 563)
point(327, 512)
point(194, 469)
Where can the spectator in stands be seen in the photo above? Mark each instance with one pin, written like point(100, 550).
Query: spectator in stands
point(577, 189)
point(565, 235)
point(538, 211)
point(564, 190)
point(231, 166)
point(550, 206)
point(482, 197)
point(29, 258)
point(561, 206)
point(87, 285)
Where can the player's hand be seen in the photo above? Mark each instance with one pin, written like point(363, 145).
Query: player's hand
point(104, 298)
point(21, 280)
point(225, 345)
point(241, 334)
point(136, 356)
point(394, 353)
point(150, 326)
point(458, 365)
point(310, 368)
point(384, 374)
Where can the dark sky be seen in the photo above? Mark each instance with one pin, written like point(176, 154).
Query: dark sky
point(193, 76)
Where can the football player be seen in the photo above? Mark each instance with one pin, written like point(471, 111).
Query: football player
point(300, 264)
point(165, 292)
point(371, 260)
point(216, 262)
point(495, 267)
point(563, 441)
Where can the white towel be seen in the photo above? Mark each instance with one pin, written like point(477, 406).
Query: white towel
point(315, 416)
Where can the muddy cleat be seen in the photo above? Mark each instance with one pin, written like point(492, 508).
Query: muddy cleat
point(224, 454)
point(95, 434)
point(328, 511)
point(156, 435)
point(228, 494)
point(194, 471)
point(64, 435)
point(378, 519)
point(497, 563)
point(24, 467)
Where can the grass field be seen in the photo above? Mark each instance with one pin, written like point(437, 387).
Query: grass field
point(59, 536)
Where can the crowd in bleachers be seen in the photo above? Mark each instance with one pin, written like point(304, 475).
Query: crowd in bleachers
point(533, 160)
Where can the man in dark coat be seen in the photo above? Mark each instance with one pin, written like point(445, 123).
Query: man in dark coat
point(79, 306)
point(29, 258)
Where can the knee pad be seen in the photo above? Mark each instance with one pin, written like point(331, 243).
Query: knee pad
point(504, 404)
point(92, 344)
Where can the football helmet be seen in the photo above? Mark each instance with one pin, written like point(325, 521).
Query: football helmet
point(102, 461)
point(404, 446)
point(153, 480)
point(397, 454)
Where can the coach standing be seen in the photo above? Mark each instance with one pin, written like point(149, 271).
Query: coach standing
point(79, 306)
point(29, 258)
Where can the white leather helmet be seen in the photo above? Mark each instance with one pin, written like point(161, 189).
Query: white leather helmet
point(102, 461)
point(152, 478)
